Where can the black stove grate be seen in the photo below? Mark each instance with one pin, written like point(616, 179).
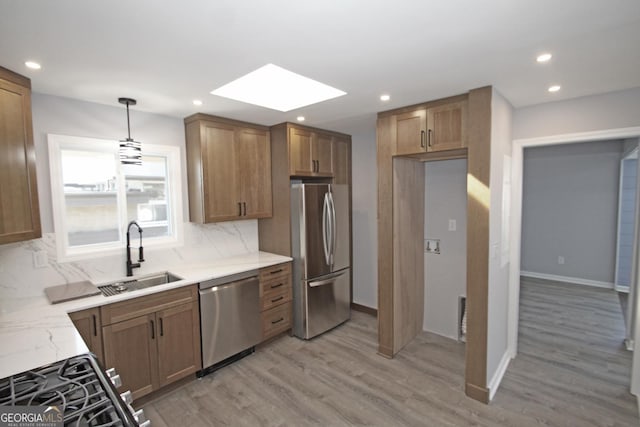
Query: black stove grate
point(77, 386)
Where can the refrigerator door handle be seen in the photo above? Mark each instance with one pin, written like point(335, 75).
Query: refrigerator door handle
point(327, 281)
point(334, 238)
point(325, 229)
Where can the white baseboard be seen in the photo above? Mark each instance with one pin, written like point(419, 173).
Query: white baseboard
point(497, 377)
point(576, 280)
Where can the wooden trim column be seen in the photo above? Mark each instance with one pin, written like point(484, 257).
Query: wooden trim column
point(478, 199)
point(385, 136)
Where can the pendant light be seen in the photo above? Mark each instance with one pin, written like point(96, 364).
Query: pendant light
point(130, 150)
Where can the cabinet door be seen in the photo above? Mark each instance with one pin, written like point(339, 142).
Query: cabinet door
point(411, 130)
point(178, 342)
point(253, 170)
point(88, 324)
point(19, 212)
point(130, 347)
point(341, 161)
point(322, 146)
point(447, 126)
point(218, 173)
point(300, 153)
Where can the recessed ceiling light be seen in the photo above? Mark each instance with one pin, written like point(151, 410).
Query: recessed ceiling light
point(384, 97)
point(300, 118)
point(33, 65)
point(544, 57)
point(197, 102)
point(276, 88)
point(554, 88)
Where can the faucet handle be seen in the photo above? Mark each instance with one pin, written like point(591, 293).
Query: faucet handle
point(140, 254)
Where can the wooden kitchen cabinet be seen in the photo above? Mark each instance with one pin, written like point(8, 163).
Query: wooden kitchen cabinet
point(438, 128)
point(229, 169)
point(310, 153)
point(178, 333)
point(411, 132)
point(447, 126)
point(253, 159)
point(275, 299)
point(19, 209)
point(153, 341)
point(341, 161)
point(89, 326)
point(130, 347)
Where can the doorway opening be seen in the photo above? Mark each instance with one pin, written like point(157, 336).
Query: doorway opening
point(518, 148)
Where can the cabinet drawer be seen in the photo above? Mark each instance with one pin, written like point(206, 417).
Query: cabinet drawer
point(129, 309)
point(275, 272)
point(276, 320)
point(274, 293)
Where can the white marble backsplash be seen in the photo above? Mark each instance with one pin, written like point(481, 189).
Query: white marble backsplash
point(202, 243)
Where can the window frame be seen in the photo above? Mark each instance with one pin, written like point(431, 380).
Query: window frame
point(66, 253)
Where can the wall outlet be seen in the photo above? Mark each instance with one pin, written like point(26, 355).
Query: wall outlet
point(452, 225)
point(40, 259)
point(561, 260)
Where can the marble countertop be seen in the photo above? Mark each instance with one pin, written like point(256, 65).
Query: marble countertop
point(35, 333)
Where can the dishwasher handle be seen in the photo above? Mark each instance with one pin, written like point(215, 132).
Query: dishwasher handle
point(206, 287)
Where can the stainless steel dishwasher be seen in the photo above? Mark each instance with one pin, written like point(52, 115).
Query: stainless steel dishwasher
point(229, 318)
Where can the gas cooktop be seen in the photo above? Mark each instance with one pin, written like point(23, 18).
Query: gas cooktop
point(77, 386)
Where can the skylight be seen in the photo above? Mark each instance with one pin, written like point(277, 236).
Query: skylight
point(278, 89)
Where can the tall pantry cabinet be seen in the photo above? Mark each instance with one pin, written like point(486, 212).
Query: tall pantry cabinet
point(19, 209)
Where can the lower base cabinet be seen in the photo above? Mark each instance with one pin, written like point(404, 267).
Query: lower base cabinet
point(153, 341)
point(275, 299)
point(89, 326)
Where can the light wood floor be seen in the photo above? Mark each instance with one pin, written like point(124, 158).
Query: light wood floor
point(571, 370)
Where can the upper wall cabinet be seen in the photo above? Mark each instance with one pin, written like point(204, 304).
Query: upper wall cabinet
point(341, 160)
point(229, 169)
point(438, 128)
point(19, 210)
point(310, 153)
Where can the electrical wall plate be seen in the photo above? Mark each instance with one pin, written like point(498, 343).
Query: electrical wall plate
point(432, 246)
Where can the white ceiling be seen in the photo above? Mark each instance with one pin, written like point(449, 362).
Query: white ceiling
point(167, 53)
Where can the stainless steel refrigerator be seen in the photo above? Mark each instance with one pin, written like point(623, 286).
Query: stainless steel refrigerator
point(321, 241)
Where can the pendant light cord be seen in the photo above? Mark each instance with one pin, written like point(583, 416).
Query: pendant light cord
point(128, 126)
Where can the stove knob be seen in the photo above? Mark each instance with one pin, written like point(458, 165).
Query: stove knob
point(116, 381)
point(115, 378)
point(127, 397)
point(139, 416)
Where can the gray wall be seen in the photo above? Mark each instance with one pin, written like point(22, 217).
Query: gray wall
point(445, 274)
point(365, 231)
point(65, 116)
point(612, 110)
point(569, 209)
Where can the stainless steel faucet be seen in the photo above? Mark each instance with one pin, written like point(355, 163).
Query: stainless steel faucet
point(130, 265)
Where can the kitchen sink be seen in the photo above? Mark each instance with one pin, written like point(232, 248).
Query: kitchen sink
point(136, 284)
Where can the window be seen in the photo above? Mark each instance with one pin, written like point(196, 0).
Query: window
point(94, 196)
